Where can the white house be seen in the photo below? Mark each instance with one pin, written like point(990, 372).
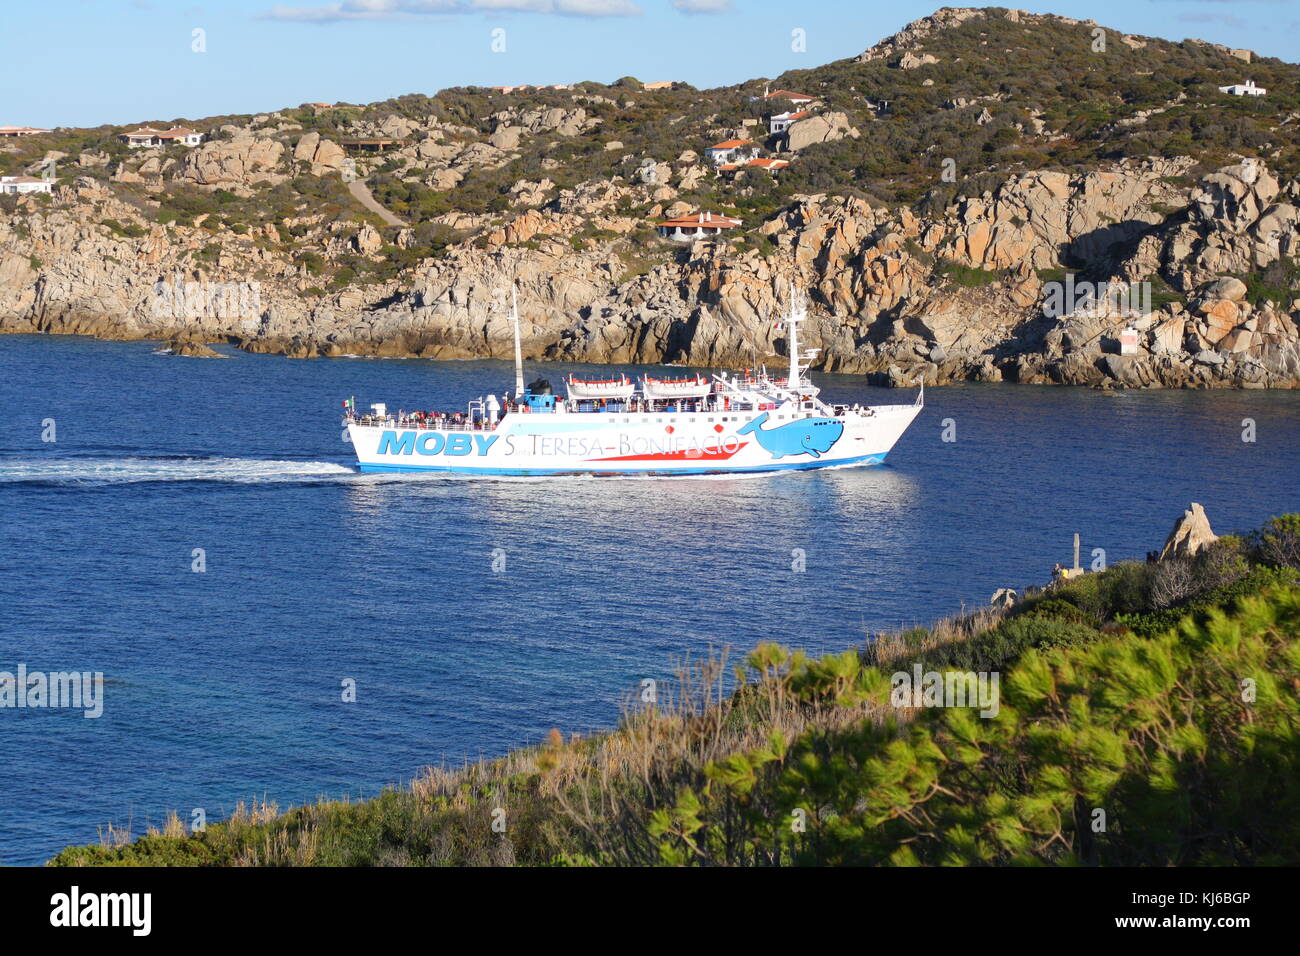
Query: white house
point(1244, 89)
point(9, 185)
point(147, 137)
point(732, 151)
point(703, 225)
point(11, 132)
point(780, 122)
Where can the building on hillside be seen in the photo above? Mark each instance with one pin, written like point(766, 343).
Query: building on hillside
point(798, 99)
point(1244, 89)
point(780, 122)
point(732, 151)
point(661, 85)
point(146, 137)
point(10, 185)
point(728, 170)
point(703, 225)
point(12, 132)
point(525, 87)
point(771, 165)
point(370, 145)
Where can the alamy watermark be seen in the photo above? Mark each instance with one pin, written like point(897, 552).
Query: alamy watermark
point(946, 689)
point(1127, 299)
point(127, 910)
point(201, 300)
point(74, 690)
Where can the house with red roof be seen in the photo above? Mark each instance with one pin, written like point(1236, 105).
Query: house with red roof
point(146, 137)
point(732, 151)
point(780, 122)
point(727, 170)
point(798, 99)
point(701, 225)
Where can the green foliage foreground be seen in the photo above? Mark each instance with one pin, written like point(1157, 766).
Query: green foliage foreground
point(1113, 744)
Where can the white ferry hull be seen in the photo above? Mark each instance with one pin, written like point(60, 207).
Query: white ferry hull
point(645, 443)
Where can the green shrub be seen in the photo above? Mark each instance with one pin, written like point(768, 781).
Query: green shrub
point(1278, 542)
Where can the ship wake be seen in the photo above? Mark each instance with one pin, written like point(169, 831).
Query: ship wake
point(166, 468)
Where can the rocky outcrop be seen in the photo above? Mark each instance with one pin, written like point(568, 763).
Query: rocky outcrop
point(915, 33)
point(913, 36)
point(189, 347)
point(821, 128)
point(235, 164)
point(322, 155)
point(1191, 535)
point(887, 292)
point(911, 61)
point(1003, 599)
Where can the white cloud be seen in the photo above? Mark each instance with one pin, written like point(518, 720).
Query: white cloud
point(411, 9)
point(569, 8)
point(703, 6)
point(364, 10)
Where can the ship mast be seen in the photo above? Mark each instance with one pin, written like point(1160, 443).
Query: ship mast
point(796, 316)
point(519, 355)
point(800, 362)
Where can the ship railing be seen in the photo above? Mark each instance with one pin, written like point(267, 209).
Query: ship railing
point(424, 425)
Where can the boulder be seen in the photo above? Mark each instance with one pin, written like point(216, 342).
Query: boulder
point(910, 61)
point(232, 164)
point(1191, 535)
point(190, 347)
point(1003, 599)
point(367, 241)
point(822, 128)
point(324, 155)
point(506, 137)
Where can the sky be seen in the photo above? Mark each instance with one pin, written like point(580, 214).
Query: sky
point(90, 62)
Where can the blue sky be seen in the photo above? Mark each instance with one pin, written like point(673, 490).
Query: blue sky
point(86, 62)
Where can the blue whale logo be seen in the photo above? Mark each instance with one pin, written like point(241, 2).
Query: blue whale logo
point(812, 436)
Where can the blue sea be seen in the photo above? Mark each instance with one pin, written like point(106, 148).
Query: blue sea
point(475, 615)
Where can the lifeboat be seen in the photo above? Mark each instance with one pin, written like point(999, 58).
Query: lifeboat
point(670, 388)
point(592, 390)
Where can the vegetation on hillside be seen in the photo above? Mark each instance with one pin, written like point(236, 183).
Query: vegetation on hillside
point(1053, 100)
point(1149, 714)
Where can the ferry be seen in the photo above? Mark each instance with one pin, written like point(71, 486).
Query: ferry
point(686, 425)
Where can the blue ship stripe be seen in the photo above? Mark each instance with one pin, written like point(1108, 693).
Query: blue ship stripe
point(541, 472)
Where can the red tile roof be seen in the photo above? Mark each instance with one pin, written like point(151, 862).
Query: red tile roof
point(732, 143)
point(173, 133)
point(788, 94)
point(696, 220)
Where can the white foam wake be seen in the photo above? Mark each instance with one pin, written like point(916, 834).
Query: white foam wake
point(123, 470)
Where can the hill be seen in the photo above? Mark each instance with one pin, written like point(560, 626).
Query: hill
point(939, 188)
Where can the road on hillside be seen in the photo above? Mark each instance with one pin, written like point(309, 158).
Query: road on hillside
point(358, 189)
